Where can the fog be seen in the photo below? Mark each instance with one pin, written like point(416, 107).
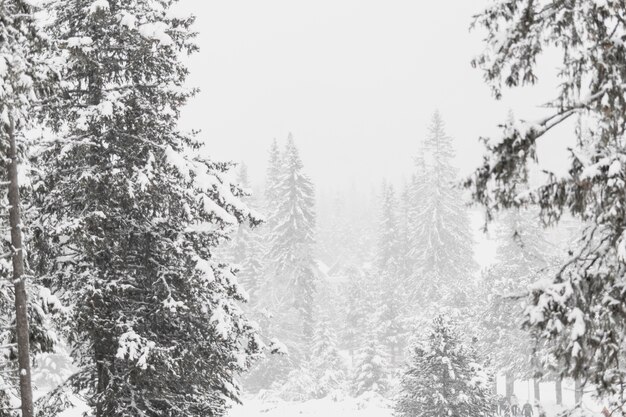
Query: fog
point(342, 221)
point(355, 81)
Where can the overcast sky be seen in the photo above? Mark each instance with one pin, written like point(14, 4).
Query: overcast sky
point(356, 81)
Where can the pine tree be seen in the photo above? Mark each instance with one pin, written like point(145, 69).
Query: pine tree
point(415, 209)
point(246, 247)
point(358, 308)
point(130, 215)
point(388, 253)
point(24, 79)
point(390, 295)
point(580, 314)
point(291, 253)
point(522, 258)
point(443, 378)
point(442, 238)
point(390, 321)
point(326, 362)
point(272, 192)
point(371, 374)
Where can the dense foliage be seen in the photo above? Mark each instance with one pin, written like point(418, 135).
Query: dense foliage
point(581, 310)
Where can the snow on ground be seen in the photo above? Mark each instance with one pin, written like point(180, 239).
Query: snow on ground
point(326, 407)
point(375, 406)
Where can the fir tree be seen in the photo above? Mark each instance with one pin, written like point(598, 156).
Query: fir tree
point(291, 252)
point(581, 313)
point(246, 247)
point(272, 193)
point(388, 232)
point(326, 362)
point(130, 216)
point(25, 78)
point(522, 258)
point(389, 290)
point(370, 373)
point(442, 238)
point(443, 378)
point(357, 308)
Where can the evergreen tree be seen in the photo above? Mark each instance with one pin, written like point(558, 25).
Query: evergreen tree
point(371, 374)
point(388, 288)
point(443, 378)
point(442, 238)
point(326, 362)
point(357, 303)
point(291, 254)
point(130, 216)
point(246, 248)
point(388, 253)
point(415, 209)
point(522, 258)
point(390, 321)
point(405, 264)
point(581, 313)
point(25, 78)
point(272, 193)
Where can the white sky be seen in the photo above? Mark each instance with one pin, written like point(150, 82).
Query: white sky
point(356, 81)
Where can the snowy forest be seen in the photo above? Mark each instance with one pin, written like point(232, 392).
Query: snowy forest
point(152, 269)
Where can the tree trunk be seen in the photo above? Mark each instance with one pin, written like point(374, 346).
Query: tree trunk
point(510, 384)
point(536, 390)
point(559, 390)
point(21, 304)
point(578, 391)
point(494, 388)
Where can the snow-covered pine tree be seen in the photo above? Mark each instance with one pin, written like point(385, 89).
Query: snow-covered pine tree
point(522, 258)
point(291, 254)
point(581, 312)
point(414, 211)
point(272, 178)
point(371, 368)
point(405, 263)
point(442, 236)
point(25, 78)
point(388, 231)
point(358, 308)
point(246, 247)
point(130, 214)
point(390, 294)
point(326, 362)
point(443, 378)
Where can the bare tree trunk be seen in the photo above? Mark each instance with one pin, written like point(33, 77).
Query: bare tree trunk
point(578, 391)
point(510, 384)
point(495, 385)
point(536, 390)
point(558, 386)
point(21, 305)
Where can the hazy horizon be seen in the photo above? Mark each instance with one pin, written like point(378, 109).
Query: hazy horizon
point(355, 82)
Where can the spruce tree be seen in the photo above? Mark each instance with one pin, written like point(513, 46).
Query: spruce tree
point(388, 252)
point(443, 378)
point(272, 178)
point(522, 259)
point(442, 238)
point(246, 248)
point(371, 371)
point(358, 302)
point(291, 254)
point(130, 214)
point(581, 313)
point(389, 284)
point(326, 362)
point(25, 79)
